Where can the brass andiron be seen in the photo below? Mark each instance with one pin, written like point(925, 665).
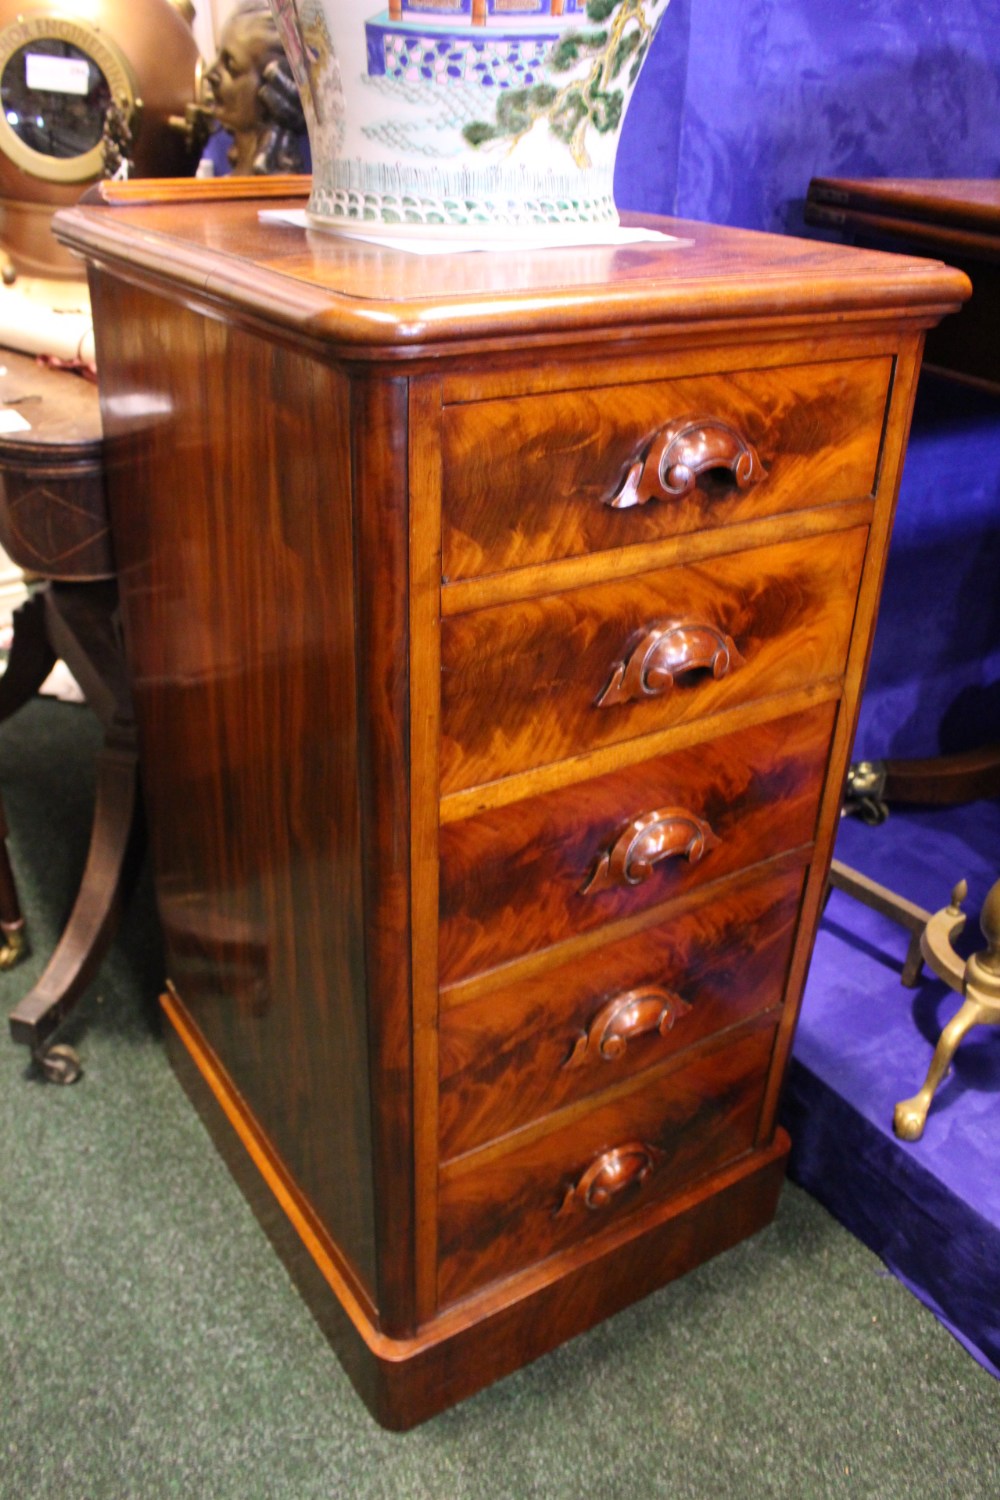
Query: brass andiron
point(977, 980)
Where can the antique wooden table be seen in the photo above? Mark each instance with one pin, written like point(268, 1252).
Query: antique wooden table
point(54, 524)
point(496, 624)
point(960, 219)
point(954, 217)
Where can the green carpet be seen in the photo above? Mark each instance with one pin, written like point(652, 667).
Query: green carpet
point(151, 1344)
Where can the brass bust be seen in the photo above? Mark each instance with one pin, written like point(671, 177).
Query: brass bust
point(253, 95)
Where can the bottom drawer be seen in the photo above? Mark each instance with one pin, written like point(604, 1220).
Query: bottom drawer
point(502, 1210)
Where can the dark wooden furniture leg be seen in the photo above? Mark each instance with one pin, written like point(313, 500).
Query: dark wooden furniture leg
point(80, 627)
point(94, 918)
point(29, 662)
point(945, 780)
point(31, 657)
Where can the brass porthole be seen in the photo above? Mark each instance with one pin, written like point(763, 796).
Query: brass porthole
point(57, 77)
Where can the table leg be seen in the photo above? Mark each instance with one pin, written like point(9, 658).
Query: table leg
point(94, 918)
point(29, 662)
point(31, 657)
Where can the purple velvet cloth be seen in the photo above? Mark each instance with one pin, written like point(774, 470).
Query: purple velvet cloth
point(738, 106)
point(930, 1209)
point(934, 680)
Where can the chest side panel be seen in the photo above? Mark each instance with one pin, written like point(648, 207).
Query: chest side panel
point(235, 559)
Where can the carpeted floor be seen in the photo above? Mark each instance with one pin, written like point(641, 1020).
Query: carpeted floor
point(151, 1344)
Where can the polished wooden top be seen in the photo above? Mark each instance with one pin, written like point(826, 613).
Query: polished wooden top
point(369, 299)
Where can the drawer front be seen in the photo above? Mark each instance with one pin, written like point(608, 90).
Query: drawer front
point(518, 878)
point(501, 1212)
point(544, 679)
point(532, 479)
point(516, 1055)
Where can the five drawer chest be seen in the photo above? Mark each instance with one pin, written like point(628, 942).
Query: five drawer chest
point(497, 624)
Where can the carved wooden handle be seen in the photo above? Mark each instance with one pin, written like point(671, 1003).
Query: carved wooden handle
point(609, 1176)
point(668, 833)
point(665, 651)
point(623, 1019)
point(679, 453)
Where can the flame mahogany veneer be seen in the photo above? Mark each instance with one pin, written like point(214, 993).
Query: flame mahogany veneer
point(497, 625)
point(594, 647)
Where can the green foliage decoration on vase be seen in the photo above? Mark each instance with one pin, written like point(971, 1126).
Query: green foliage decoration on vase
point(581, 102)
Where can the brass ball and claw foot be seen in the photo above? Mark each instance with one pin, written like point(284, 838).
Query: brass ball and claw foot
point(13, 943)
point(977, 981)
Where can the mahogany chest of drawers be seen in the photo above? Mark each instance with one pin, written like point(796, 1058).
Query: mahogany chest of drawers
point(497, 625)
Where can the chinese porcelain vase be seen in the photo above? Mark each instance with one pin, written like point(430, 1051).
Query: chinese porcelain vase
point(484, 115)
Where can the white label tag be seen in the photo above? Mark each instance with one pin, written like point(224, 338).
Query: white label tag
point(12, 421)
point(57, 75)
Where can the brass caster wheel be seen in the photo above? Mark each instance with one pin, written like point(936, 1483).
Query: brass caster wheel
point(864, 792)
point(872, 811)
point(60, 1064)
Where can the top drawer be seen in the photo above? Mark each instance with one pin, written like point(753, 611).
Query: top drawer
point(531, 479)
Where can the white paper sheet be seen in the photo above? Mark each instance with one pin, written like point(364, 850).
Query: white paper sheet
point(558, 237)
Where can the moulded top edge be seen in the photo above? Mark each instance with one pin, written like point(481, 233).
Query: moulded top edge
point(357, 293)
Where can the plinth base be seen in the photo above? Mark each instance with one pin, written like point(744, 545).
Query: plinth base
point(404, 1381)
